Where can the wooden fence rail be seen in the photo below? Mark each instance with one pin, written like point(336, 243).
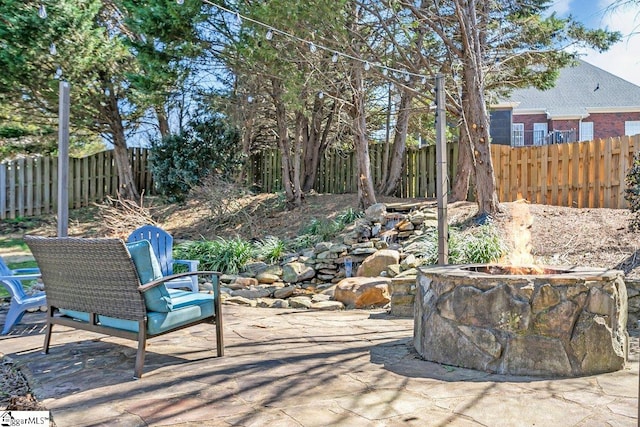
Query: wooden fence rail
point(29, 186)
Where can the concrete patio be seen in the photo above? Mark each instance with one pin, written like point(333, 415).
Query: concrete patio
point(298, 368)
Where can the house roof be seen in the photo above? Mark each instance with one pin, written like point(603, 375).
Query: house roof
point(579, 91)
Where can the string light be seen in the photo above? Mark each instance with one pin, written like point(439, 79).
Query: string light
point(42, 11)
point(335, 54)
point(320, 95)
point(269, 34)
point(52, 49)
point(58, 73)
point(180, 2)
point(249, 99)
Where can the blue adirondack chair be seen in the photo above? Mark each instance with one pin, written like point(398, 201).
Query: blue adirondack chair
point(162, 244)
point(20, 301)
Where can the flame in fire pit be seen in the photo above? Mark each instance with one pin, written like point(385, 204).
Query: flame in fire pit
point(520, 259)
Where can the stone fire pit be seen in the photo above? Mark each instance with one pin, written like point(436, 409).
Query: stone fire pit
point(565, 322)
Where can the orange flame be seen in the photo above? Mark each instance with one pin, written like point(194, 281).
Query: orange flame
point(521, 222)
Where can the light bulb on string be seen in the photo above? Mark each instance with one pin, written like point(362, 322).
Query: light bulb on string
point(58, 73)
point(385, 72)
point(107, 92)
point(424, 80)
point(367, 66)
point(334, 58)
point(180, 2)
point(313, 48)
point(407, 77)
point(320, 95)
point(249, 99)
point(42, 11)
point(269, 35)
point(52, 49)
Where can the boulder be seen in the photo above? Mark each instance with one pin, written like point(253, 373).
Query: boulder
point(378, 262)
point(295, 272)
point(361, 292)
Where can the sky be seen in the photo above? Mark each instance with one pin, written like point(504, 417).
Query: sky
point(623, 58)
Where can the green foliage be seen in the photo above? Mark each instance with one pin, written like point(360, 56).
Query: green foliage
point(225, 255)
point(180, 162)
point(632, 192)
point(324, 229)
point(481, 245)
point(270, 250)
point(349, 216)
point(319, 230)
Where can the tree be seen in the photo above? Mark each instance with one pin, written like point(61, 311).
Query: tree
point(494, 47)
point(115, 78)
point(293, 76)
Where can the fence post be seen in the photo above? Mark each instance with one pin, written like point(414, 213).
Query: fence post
point(63, 159)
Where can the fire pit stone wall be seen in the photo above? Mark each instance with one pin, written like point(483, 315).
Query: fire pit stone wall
point(568, 322)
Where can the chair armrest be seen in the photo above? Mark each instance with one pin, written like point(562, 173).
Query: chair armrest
point(32, 270)
point(21, 277)
point(191, 264)
point(153, 284)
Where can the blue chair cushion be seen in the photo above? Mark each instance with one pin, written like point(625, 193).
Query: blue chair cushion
point(156, 299)
point(188, 307)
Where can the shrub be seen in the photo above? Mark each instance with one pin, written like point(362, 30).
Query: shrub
point(271, 249)
point(632, 192)
point(480, 245)
point(224, 255)
point(180, 162)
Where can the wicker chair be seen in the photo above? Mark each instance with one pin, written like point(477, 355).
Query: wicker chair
point(97, 284)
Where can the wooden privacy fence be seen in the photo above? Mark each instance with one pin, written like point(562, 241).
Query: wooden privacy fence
point(580, 174)
point(29, 186)
point(337, 172)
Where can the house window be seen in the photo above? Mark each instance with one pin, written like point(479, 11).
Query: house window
point(539, 133)
point(632, 127)
point(586, 131)
point(517, 134)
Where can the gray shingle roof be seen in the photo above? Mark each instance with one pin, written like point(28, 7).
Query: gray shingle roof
point(575, 93)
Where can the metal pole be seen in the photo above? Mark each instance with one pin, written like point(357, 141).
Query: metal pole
point(63, 158)
point(441, 171)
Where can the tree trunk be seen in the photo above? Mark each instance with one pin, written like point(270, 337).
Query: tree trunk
point(366, 194)
point(460, 188)
point(396, 163)
point(127, 186)
point(476, 116)
point(316, 143)
point(163, 122)
point(283, 140)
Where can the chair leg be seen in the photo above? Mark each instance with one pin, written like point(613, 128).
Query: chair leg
point(142, 344)
point(47, 336)
point(217, 303)
point(16, 311)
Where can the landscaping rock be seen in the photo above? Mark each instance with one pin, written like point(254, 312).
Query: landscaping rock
point(361, 292)
point(295, 272)
point(378, 262)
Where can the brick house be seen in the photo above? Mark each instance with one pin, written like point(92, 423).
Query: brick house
point(586, 103)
